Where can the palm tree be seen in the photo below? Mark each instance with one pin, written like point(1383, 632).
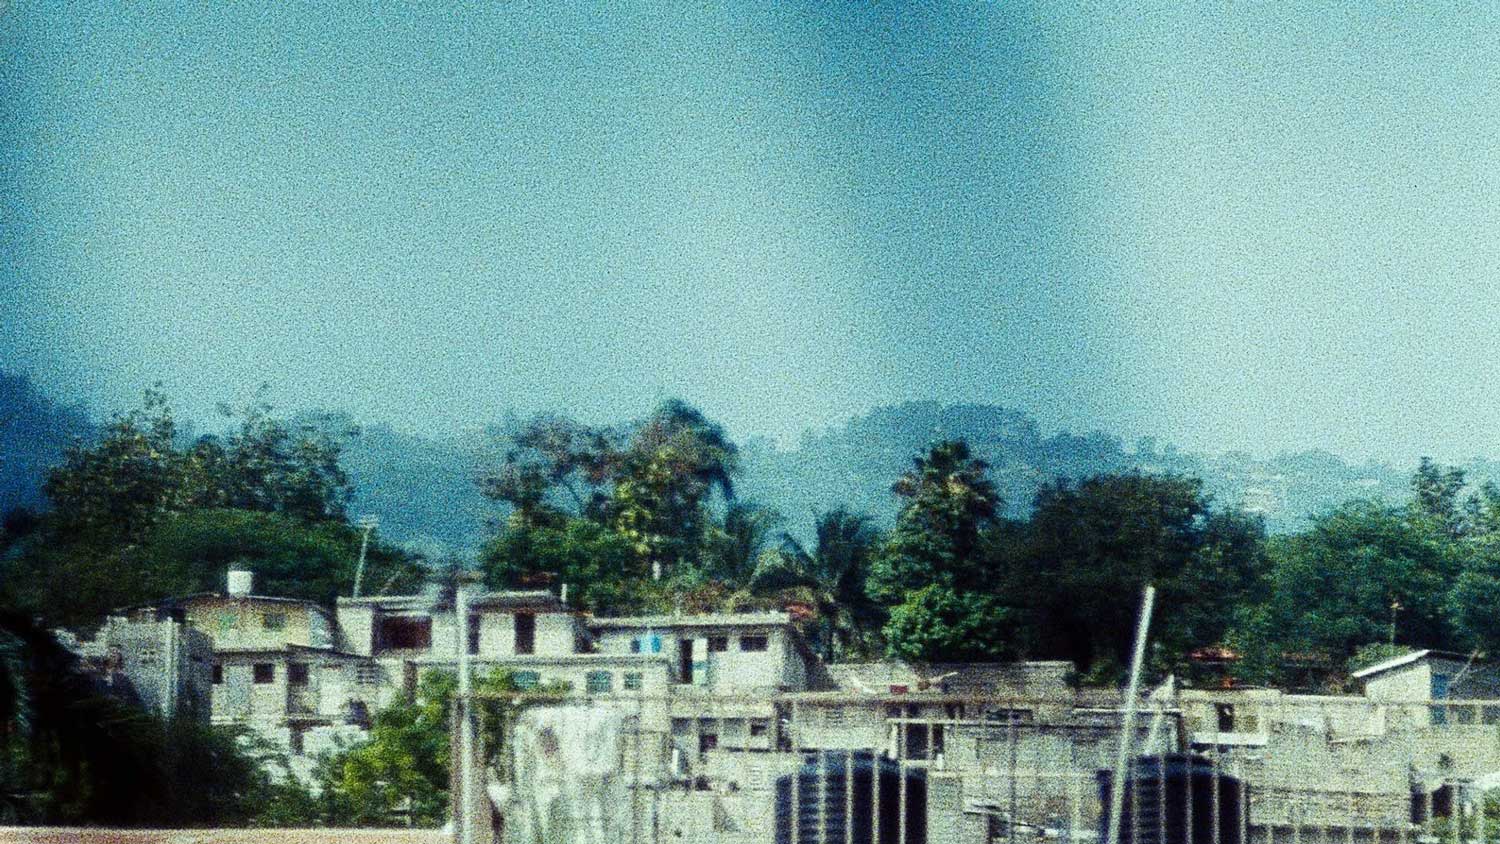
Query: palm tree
point(733, 547)
point(834, 572)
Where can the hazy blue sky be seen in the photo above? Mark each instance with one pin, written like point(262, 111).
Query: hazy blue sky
point(1244, 226)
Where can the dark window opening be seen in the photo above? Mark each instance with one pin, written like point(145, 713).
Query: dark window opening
point(473, 634)
point(707, 742)
point(1225, 712)
point(758, 728)
point(635, 645)
point(525, 633)
point(718, 644)
point(633, 681)
point(218, 674)
point(754, 643)
point(273, 621)
point(685, 660)
point(405, 634)
point(296, 742)
point(265, 672)
point(296, 673)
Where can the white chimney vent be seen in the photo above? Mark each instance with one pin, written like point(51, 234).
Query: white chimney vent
point(241, 582)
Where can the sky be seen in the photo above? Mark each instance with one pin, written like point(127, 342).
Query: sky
point(1233, 226)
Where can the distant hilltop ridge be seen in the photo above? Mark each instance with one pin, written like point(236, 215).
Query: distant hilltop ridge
point(422, 487)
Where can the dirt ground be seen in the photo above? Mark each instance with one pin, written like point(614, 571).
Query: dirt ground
point(51, 835)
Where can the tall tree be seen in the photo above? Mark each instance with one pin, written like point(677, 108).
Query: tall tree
point(930, 570)
point(1093, 546)
point(651, 482)
point(1435, 495)
point(732, 547)
point(118, 487)
point(835, 570)
point(948, 501)
point(140, 514)
point(672, 463)
point(1365, 572)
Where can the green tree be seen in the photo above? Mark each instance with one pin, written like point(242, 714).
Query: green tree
point(1364, 572)
point(403, 766)
point(732, 547)
point(1435, 495)
point(275, 465)
point(940, 624)
point(835, 572)
point(601, 567)
point(1471, 599)
point(1093, 546)
point(116, 489)
point(650, 482)
point(555, 467)
point(139, 515)
point(931, 565)
point(671, 465)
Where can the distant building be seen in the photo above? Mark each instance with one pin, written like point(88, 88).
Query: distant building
point(163, 666)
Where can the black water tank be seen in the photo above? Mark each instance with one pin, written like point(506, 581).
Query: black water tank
point(821, 798)
point(1177, 798)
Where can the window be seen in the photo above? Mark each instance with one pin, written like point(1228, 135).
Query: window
point(1008, 716)
point(656, 644)
point(632, 681)
point(754, 643)
point(685, 661)
point(599, 683)
point(296, 673)
point(525, 633)
point(834, 717)
point(473, 634)
point(296, 740)
point(526, 680)
point(264, 672)
point(218, 674)
point(635, 645)
point(273, 621)
point(367, 674)
point(405, 634)
point(1440, 683)
point(1225, 716)
point(718, 644)
point(758, 728)
point(707, 742)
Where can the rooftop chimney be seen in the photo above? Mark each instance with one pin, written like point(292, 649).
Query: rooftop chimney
point(241, 582)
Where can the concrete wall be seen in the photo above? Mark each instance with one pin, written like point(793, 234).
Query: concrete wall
point(240, 623)
point(165, 666)
point(556, 633)
point(1411, 682)
point(778, 667)
point(357, 624)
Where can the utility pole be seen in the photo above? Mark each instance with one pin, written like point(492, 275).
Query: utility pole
point(368, 524)
point(466, 814)
point(1122, 759)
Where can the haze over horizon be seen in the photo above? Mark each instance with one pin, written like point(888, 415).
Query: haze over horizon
point(1271, 230)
